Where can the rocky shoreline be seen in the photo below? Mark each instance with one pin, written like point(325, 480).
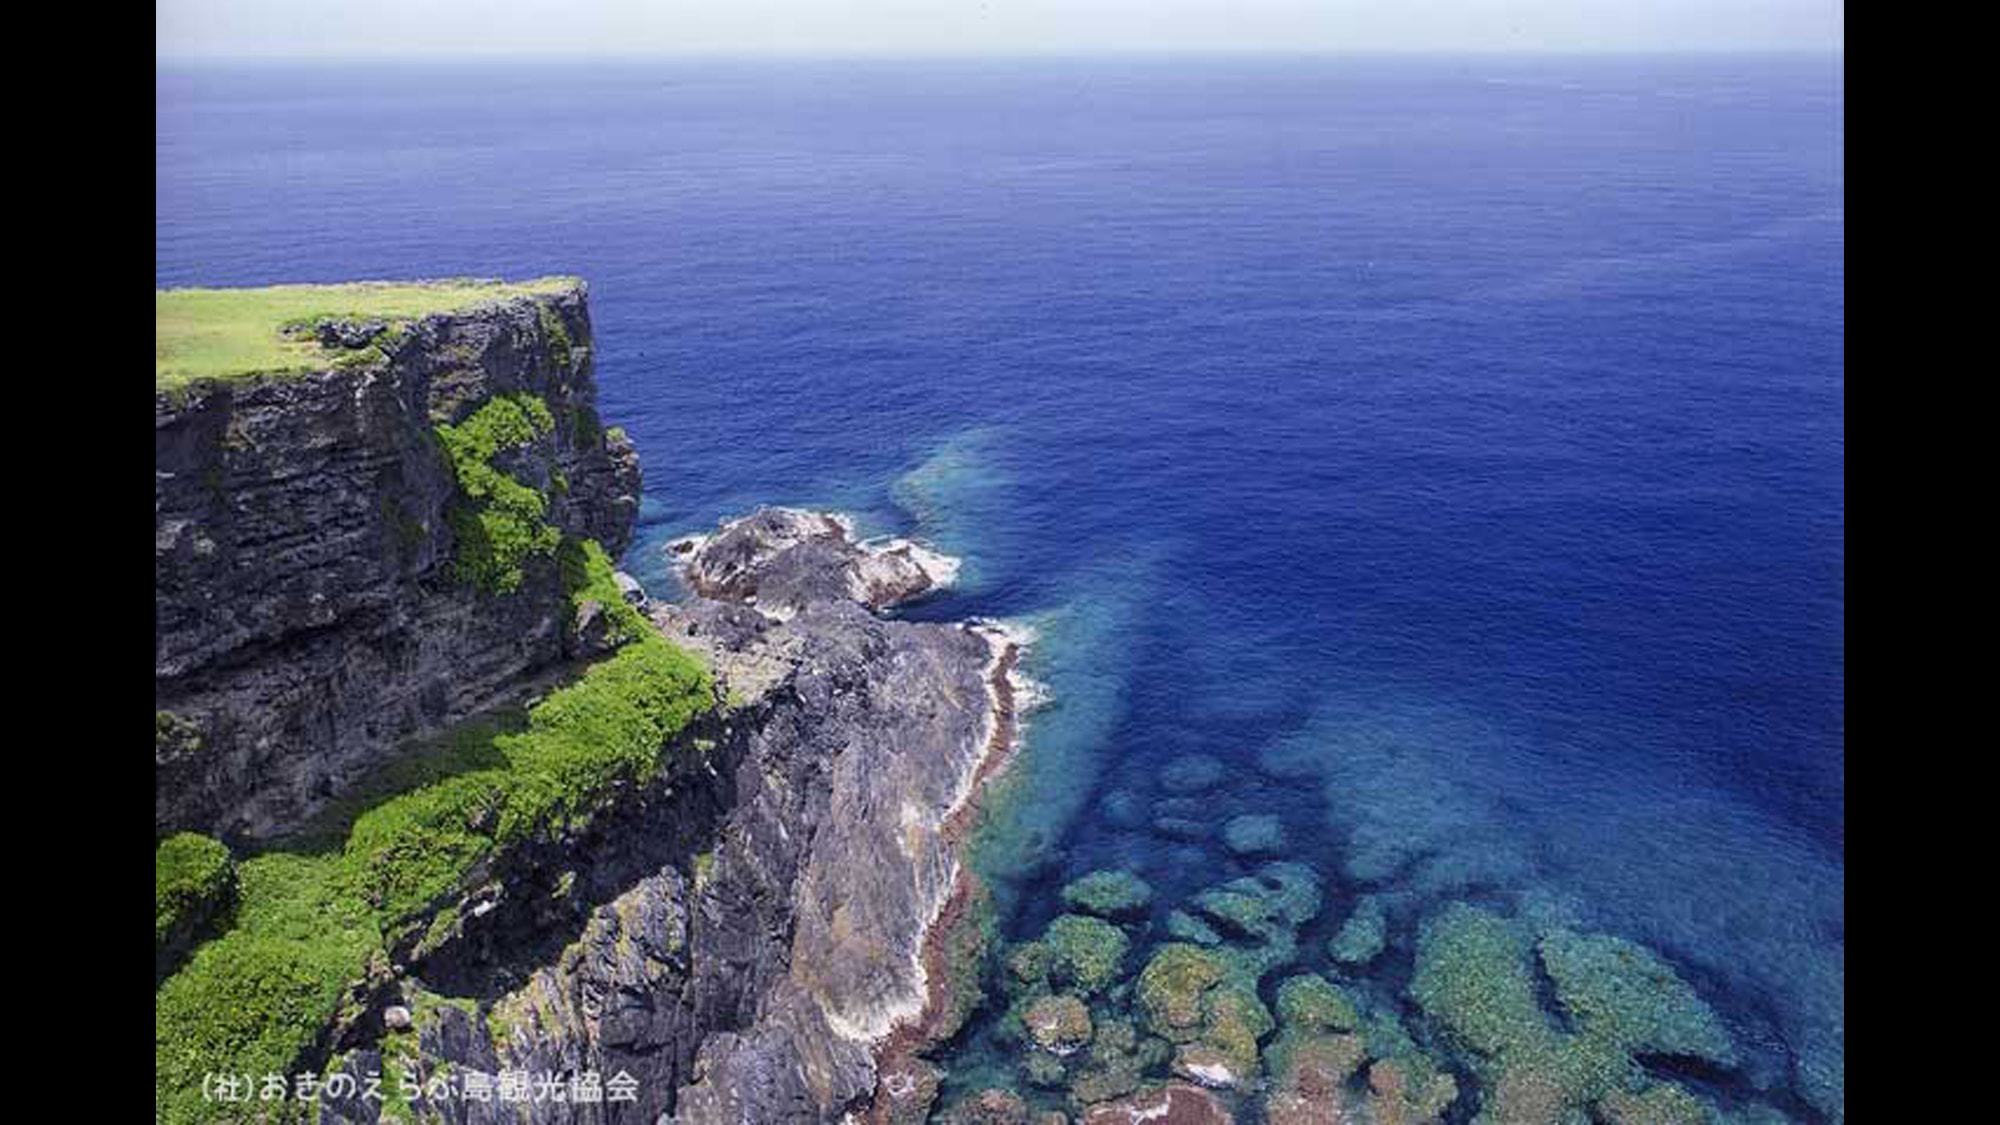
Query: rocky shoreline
point(955, 941)
point(809, 572)
point(775, 975)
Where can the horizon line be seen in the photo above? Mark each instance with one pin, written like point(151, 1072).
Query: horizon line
point(927, 53)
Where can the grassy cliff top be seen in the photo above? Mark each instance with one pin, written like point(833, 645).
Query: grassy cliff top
point(219, 333)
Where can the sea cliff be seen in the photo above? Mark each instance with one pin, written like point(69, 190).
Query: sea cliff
point(445, 803)
point(325, 587)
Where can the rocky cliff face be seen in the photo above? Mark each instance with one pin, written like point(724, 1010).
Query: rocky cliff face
point(752, 974)
point(311, 607)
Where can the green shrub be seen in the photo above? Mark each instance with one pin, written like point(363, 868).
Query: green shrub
point(498, 521)
point(589, 576)
point(193, 879)
point(255, 999)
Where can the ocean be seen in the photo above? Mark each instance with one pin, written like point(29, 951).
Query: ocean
point(1450, 448)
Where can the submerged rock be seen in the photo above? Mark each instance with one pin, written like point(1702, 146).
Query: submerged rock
point(1259, 915)
point(1084, 952)
point(1190, 773)
point(1186, 927)
point(1255, 834)
point(1400, 1093)
point(1362, 936)
point(1173, 1104)
point(1199, 1000)
point(1172, 985)
point(1118, 1059)
point(1309, 1002)
point(1180, 828)
point(1658, 1105)
point(1309, 1077)
point(1475, 978)
point(1058, 1024)
point(1045, 1070)
point(1110, 894)
point(1225, 1055)
point(1619, 991)
point(1122, 808)
point(1028, 965)
point(987, 1107)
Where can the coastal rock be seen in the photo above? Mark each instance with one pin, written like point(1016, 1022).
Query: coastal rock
point(784, 559)
point(307, 614)
point(629, 588)
point(909, 1089)
point(827, 882)
point(754, 976)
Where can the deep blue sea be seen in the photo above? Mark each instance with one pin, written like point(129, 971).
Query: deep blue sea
point(1450, 447)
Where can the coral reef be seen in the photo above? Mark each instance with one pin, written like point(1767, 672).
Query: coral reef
point(1616, 990)
point(1475, 978)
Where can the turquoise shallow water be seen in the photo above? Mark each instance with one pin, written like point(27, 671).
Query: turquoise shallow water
point(1451, 449)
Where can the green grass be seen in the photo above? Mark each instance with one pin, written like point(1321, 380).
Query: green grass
point(219, 333)
point(192, 875)
point(311, 920)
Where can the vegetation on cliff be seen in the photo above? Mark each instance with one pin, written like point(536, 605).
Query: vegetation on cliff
point(194, 880)
point(313, 920)
point(227, 333)
point(498, 521)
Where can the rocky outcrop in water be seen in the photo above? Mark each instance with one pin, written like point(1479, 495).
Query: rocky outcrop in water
point(309, 615)
point(782, 560)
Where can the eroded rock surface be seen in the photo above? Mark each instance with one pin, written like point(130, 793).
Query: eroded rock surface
point(782, 560)
point(752, 980)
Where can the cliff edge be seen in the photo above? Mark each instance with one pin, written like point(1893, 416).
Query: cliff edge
point(362, 545)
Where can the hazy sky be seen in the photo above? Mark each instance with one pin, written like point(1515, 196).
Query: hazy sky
point(377, 27)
